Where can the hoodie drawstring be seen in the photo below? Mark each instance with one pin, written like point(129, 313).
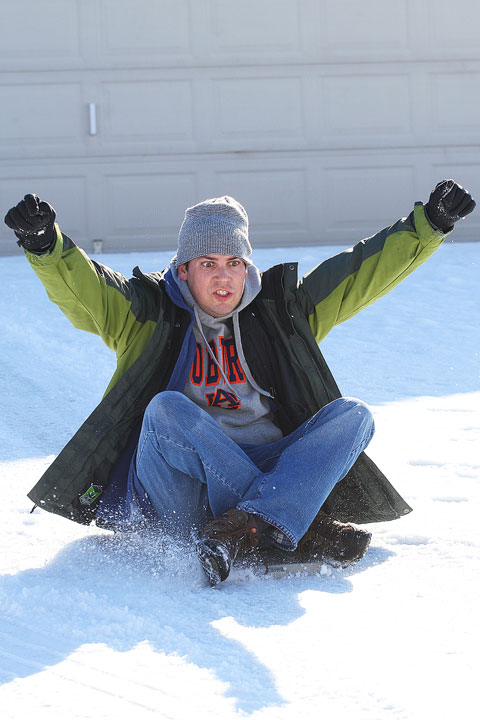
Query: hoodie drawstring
point(209, 349)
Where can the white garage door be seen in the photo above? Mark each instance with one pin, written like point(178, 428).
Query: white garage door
point(326, 119)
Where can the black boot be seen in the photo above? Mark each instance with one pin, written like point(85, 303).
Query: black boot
point(339, 544)
point(221, 541)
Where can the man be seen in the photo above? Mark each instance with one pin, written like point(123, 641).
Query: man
point(222, 417)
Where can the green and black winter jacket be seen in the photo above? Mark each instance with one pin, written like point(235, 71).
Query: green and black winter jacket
point(146, 323)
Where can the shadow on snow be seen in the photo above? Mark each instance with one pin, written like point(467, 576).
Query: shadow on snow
point(125, 590)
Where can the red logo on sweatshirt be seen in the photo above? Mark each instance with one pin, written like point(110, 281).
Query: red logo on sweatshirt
point(208, 372)
point(231, 362)
point(223, 399)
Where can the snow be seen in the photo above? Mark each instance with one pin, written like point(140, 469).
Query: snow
point(98, 626)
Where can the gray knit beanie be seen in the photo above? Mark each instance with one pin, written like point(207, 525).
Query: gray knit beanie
point(218, 226)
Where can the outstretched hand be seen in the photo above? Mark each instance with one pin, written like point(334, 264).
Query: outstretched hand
point(32, 220)
point(448, 203)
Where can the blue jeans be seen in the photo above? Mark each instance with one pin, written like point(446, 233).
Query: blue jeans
point(191, 471)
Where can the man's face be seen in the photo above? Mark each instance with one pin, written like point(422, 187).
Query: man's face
point(216, 282)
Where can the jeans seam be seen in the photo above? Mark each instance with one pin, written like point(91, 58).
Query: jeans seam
point(172, 442)
point(359, 447)
point(191, 449)
point(222, 480)
point(149, 434)
point(141, 449)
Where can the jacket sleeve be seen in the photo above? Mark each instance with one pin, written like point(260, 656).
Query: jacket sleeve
point(343, 285)
point(92, 296)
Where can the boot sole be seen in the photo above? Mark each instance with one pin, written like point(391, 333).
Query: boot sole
point(214, 570)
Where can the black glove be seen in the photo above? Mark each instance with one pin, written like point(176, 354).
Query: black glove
point(448, 203)
point(33, 223)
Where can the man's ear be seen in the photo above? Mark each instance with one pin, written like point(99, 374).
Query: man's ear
point(182, 272)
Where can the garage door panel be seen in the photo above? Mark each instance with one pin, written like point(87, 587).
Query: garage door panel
point(253, 106)
point(143, 111)
point(34, 32)
point(367, 104)
point(39, 115)
point(366, 29)
point(250, 26)
point(454, 106)
point(145, 28)
point(363, 186)
point(155, 216)
point(444, 32)
point(251, 111)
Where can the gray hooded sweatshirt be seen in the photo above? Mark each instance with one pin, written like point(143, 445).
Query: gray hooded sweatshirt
point(220, 380)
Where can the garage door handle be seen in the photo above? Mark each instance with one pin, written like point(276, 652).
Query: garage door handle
point(92, 115)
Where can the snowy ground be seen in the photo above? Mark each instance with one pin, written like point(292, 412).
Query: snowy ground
point(94, 626)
